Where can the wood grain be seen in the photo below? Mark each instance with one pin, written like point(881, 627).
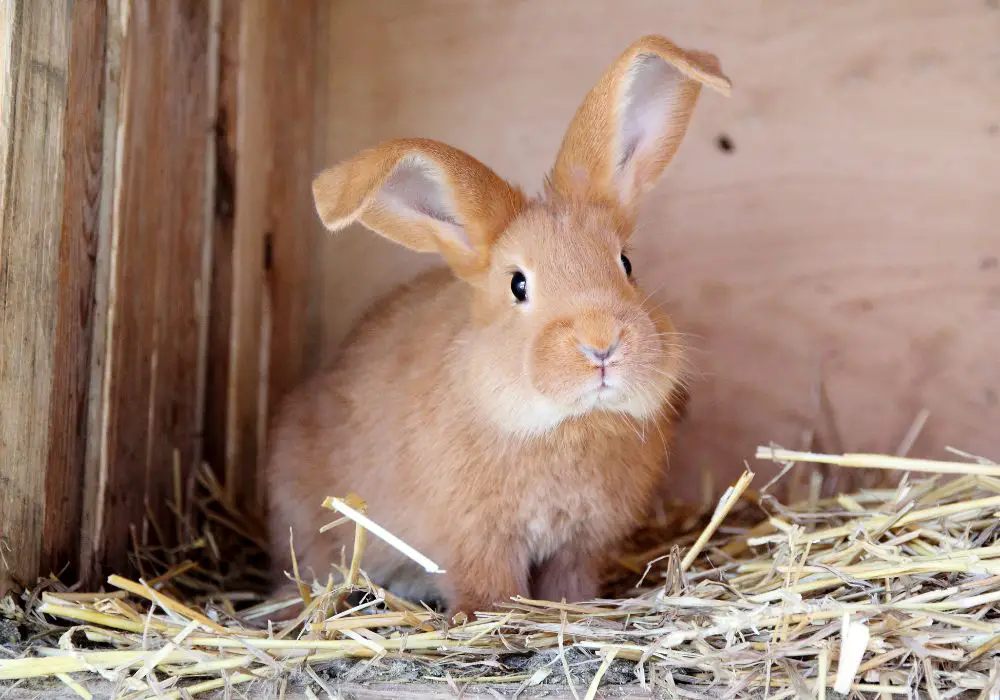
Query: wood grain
point(156, 309)
point(78, 249)
point(275, 322)
point(253, 172)
point(224, 211)
point(34, 54)
point(112, 126)
point(293, 272)
point(835, 221)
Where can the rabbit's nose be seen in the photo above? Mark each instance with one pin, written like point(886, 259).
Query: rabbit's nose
point(600, 356)
point(598, 335)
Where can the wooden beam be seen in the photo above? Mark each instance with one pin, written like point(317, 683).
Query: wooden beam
point(34, 54)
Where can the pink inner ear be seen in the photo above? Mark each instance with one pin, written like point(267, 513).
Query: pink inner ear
point(646, 118)
point(416, 189)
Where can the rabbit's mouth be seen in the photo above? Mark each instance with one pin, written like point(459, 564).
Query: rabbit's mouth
point(604, 391)
point(634, 384)
point(609, 381)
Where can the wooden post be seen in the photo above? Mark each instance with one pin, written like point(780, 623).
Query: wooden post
point(34, 55)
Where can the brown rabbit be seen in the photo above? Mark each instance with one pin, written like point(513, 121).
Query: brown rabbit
point(509, 418)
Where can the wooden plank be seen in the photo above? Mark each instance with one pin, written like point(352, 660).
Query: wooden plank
point(156, 306)
point(224, 211)
point(210, 209)
point(113, 122)
point(78, 252)
point(276, 322)
point(34, 51)
point(297, 58)
point(181, 313)
point(253, 171)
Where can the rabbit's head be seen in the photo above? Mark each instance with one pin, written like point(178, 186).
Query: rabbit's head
point(557, 327)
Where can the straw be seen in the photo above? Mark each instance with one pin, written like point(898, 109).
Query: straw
point(726, 503)
point(596, 683)
point(876, 593)
point(874, 461)
point(854, 643)
point(380, 532)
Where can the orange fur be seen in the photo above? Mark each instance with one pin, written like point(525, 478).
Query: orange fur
point(484, 432)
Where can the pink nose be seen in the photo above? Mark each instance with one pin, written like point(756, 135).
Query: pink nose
point(600, 356)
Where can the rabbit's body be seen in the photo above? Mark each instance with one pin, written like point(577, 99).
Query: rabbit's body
point(510, 419)
point(479, 496)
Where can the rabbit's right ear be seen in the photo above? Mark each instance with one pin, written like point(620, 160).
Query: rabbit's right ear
point(424, 195)
point(631, 123)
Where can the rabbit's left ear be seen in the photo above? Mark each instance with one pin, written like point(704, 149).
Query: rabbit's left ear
point(632, 122)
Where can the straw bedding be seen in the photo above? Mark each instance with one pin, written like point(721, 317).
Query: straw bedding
point(887, 592)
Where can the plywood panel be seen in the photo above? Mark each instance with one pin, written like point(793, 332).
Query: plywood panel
point(34, 52)
point(835, 222)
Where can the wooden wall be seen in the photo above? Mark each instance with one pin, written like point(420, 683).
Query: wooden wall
point(847, 239)
point(157, 158)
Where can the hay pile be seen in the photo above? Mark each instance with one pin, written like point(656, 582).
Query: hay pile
point(877, 594)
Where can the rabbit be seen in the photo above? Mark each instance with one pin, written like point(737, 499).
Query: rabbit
point(510, 414)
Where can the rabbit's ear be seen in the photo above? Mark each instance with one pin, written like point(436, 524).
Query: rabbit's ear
point(424, 195)
point(632, 122)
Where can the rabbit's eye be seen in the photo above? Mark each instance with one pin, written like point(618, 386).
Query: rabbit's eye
point(519, 287)
point(627, 264)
